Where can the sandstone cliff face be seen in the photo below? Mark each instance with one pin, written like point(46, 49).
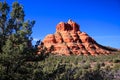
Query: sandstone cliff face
point(68, 39)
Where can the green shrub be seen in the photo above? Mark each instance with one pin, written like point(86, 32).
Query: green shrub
point(116, 60)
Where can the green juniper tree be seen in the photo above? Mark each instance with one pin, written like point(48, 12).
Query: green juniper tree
point(15, 39)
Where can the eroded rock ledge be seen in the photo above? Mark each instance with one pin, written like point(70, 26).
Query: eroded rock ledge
point(68, 39)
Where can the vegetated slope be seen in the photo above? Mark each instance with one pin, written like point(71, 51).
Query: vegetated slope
point(102, 67)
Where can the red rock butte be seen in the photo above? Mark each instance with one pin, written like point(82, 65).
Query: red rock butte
point(68, 39)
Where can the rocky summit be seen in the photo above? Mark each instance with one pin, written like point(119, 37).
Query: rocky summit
point(68, 39)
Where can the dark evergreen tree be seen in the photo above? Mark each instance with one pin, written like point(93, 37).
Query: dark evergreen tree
point(15, 40)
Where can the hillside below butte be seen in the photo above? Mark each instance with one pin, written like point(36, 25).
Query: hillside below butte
point(68, 39)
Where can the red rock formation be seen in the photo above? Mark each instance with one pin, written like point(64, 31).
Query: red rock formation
point(68, 39)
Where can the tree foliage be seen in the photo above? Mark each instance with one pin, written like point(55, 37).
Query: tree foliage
point(15, 39)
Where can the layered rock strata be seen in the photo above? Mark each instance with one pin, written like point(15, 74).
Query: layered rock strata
point(68, 39)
